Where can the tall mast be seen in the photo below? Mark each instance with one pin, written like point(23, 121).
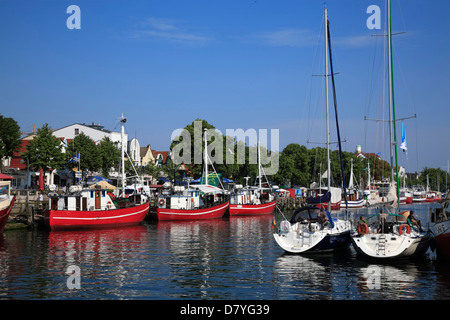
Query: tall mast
point(259, 167)
point(205, 158)
point(392, 104)
point(122, 137)
point(327, 108)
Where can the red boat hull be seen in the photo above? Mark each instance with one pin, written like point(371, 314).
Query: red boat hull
point(334, 206)
point(4, 215)
point(252, 209)
point(196, 214)
point(65, 219)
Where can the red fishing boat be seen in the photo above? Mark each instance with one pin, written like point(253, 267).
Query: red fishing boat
point(216, 211)
point(196, 202)
point(87, 209)
point(253, 200)
point(6, 203)
point(252, 209)
point(95, 207)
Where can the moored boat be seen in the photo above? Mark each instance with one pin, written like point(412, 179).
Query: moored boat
point(86, 208)
point(6, 203)
point(196, 202)
point(440, 229)
point(253, 200)
point(311, 229)
point(390, 236)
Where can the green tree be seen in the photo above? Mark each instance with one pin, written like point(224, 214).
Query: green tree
point(9, 138)
point(45, 151)
point(109, 155)
point(294, 166)
point(90, 158)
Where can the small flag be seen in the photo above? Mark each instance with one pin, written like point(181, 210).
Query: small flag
point(403, 144)
point(75, 158)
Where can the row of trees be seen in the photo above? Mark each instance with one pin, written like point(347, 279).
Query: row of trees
point(296, 164)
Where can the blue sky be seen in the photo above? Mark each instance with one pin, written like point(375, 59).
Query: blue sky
point(235, 63)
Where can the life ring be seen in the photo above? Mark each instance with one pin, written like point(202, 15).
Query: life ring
point(108, 205)
point(408, 229)
point(362, 226)
point(162, 202)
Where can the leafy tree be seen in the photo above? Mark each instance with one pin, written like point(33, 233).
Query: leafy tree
point(90, 158)
point(294, 166)
point(45, 151)
point(9, 137)
point(109, 155)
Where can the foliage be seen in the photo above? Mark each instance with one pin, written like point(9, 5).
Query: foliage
point(109, 155)
point(90, 159)
point(45, 151)
point(9, 137)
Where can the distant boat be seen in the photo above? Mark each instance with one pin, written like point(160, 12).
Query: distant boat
point(6, 203)
point(92, 208)
point(253, 200)
point(355, 198)
point(419, 194)
point(197, 202)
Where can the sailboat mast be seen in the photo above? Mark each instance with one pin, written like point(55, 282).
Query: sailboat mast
point(327, 108)
point(392, 104)
point(259, 167)
point(205, 158)
point(122, 137)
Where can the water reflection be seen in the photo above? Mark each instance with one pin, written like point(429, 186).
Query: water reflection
point(232, 258)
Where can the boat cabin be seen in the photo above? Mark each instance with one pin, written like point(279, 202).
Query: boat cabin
point(81, 200)
point(5, 194)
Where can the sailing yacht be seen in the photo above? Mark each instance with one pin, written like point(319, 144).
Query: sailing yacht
point(355, 198)
point(313, 229)
point(390, 235)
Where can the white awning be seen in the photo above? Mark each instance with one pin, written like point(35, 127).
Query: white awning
point(207, 188)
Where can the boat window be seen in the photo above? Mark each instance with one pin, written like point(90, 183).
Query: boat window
point(92, 194)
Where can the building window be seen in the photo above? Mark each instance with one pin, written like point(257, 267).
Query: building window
point(77, 131)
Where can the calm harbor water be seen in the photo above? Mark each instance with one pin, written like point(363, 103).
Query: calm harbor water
point(232, 258)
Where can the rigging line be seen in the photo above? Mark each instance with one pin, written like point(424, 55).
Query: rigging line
point(309, 125)
point(336, 115)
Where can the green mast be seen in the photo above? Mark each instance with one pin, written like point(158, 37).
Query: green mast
point(392, 100)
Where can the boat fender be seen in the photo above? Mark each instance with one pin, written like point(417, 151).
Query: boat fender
point(360, 228)
point(408, 229)
point(161, 202)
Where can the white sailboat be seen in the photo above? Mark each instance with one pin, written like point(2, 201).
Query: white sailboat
point(390, 235)
point(355, 198)
point(312, 229)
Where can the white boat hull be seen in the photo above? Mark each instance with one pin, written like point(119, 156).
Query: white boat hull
point(388, 246)
point(307, 238)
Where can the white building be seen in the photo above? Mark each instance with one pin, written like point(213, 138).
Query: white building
point(94, 131)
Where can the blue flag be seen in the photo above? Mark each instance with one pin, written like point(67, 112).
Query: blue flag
point(403, 144)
